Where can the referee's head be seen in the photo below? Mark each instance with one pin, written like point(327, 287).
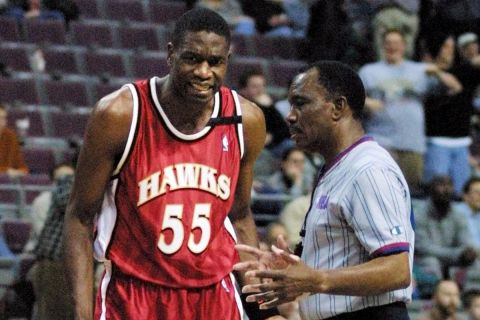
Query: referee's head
point(339, 80)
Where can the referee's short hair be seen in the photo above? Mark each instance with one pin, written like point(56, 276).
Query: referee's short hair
point(339, 79)
point(200, 19)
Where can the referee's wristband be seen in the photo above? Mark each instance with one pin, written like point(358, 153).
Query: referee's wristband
point(254, 312)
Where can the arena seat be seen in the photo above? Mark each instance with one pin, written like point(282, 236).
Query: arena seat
point(36, 127)
point(108, 62)
point(125, 10)
point(62, 59)
point(45, 31)
point(15, 55)
point(39, 160)
point(238, 65)
point(69, 124)
point(18, 90)
point(89, 9)
point(16, 233)
point(139, 36)
point(9, 30)
point(166, 12)
point(92, 33)
point(150, 64)
point(66, 93)
point(282, 71)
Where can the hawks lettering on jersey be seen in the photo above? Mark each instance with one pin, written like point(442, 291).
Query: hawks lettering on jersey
point(184, 176)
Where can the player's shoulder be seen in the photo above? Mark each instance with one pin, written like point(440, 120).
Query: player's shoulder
point(118, 103)
point(250, 111)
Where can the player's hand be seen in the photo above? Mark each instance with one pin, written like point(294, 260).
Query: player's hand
point(285, 285)
point(277, 318)
point(279, 258)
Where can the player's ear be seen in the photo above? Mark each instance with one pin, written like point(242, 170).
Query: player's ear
point(339, 107)
point(169, 53)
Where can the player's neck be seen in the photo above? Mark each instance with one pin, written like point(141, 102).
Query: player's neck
point(187, 120)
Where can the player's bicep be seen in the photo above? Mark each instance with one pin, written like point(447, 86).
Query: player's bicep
point(104, 140)
point(254, 137)
point(379, 212)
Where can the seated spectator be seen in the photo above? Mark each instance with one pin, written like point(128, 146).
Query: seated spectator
point(48, 277)
point(253, 86)
point(470, 206)
point(291, 179)
point(29, 9)
point(232, 12)
point(271, 18)
point(11, 157)
point(442, 236)
point(41, 204)
point(445, 302)
point(471, 304)
point(292, 217)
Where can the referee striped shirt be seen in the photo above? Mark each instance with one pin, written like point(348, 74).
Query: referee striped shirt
point(360, 210)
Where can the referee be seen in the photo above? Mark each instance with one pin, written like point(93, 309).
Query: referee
point(357, 237)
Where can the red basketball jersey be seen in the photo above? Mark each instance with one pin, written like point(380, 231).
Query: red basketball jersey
point(164, 217)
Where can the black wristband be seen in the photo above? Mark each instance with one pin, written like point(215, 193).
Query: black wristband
point(254, 312)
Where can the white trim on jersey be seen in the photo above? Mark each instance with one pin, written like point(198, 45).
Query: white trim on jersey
point(103, 291)
point(178, 134)
point(133, 127)
point(238, 300)
point(240, 125)
point(229, 226)
point(106, 222)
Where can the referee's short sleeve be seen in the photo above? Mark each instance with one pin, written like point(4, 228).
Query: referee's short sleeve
point(378, 209)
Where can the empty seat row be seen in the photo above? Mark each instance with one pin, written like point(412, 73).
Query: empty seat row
point(43, 123)
point(135, 35)
point(158, 11)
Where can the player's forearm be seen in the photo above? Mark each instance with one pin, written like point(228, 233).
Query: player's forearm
point(246, 230)
point(374, 277)
point(78, 256)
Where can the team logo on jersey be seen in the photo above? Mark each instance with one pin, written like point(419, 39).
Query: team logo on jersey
point(396, 231)
point(225, 143)
point(323, 202)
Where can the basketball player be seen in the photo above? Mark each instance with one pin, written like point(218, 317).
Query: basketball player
point(357, 237)
point(164, 162)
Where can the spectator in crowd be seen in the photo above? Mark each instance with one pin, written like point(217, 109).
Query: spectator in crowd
point(253, 86)
point(11, 157)
point(470, 206)
point(271, 18)
point(471, 304)
point(232, 12)
point(292, 217)
point(442, 238)
point(400, 15)
point(448, 116)
point(468, 48)
point(445, 302)
point(30, 9)
point(339, 30)
point(395, 117)
point(292, 179)
point(48, 277)
point(41, 204)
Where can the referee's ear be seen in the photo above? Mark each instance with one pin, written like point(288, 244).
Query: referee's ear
point(340, 106)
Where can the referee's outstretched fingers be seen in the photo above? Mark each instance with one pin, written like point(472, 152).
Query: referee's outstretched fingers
point(246, 265)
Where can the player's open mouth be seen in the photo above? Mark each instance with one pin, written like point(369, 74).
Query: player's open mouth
point(201, 87)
